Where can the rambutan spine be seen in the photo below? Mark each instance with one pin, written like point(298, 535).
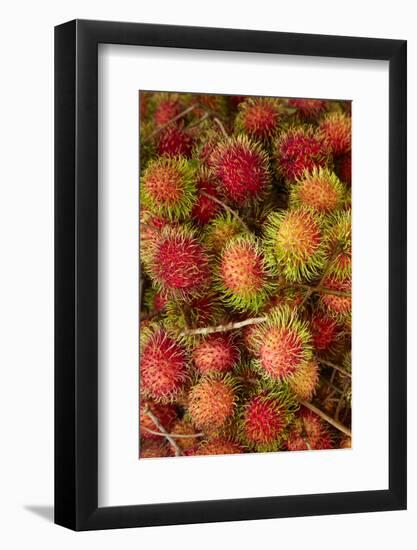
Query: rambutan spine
point(320, 190)
point(258, 118)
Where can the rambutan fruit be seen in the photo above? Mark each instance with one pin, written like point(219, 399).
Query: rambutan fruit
point(258, 118)
point(305, 379)
point(308, 109)
point(263, 420)
point(167, 107)
point(283, 345)
point(308, 432)
point(168, 187)
point(338, 306)
point(216, 353)
point(324, 331)
point(210, 102)
point(174, 141)
point(337, 130)
point(165, 413)
point(155, 301)
point(163, 365)
point(221, 230)
point(320, 190)
point(149, 232)
point(338, 244)
point(299, 149)
point(243, 277)
point(154, 449)
point(236, 100)
point(198, 312)
point(294, 244)
point(219, 446)
point(212, 402)
point(242, 168)
point(205, 208)
point(179, 264)
point(182, 427)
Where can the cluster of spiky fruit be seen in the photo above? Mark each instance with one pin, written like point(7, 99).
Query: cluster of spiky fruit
point(245, 257)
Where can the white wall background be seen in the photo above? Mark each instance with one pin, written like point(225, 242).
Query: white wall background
point(26, 272)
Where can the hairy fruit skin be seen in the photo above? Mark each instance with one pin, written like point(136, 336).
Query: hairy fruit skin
point(219, 446)
point(338, 307)
point(179, 264)
point(154, 449)
point(308, 109)
point(182, 427)
point(337, 131)
point(282, 344)
point(320, 190)
point(300, 149)
point(163, 366)
point(166, 109)
point(308, 433)
point(212, 402)
point(216, 353)
point(324, 331)
point(258, 118)
point(220, 231)
point(168, 187)
point(173, 141)
point(205, 208)
point(243, 277)
point(338, 243)
point(294, 244)
point(242, 168)
point(305, 380)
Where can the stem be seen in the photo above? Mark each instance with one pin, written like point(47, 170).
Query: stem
point(230, 210)
point(325, 290)
point(220, 125)
point(327, 418)
point(202, 119)
point(175, 118)
point(336, 367)
point(176, 436)
point(163, 431)
point(223, 328)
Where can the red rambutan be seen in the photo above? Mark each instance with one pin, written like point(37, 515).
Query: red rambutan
point(212, 402)
point(300, 149)
point(337, 306)
point(324, 331)
point(219, 446)
point(179, 265)
point(163, 366)
point(258, 118)
point(173, 141)
point(337, 131)
point(149, 232)
point(166, 414)
point(216, 353)
point(242, 168)
point(166, 109)
point(243, 275)
point(168, 187)
point(308, 109)
point(344, 168)
point(308, 432)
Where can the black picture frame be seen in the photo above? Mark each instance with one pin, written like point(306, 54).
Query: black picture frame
point(76, 271)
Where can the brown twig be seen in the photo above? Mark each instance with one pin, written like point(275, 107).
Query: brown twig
point(336, 367)
point(155, 420)
point(220, 125)
point(174, 119)
point(230, 210)
point(326, 417)
point(223, 328)
point(174, 436)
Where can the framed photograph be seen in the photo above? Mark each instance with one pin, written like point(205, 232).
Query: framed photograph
point(230, 244)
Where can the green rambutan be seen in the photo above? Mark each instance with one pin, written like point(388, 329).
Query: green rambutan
point(338, 243)
point(242, 169)
point(219, 446)
point(212, 402)
point(221, 230)
point(294, 244)
point(179, 264)
point(337, 131)
point(320, 190)
point(308, 109)
point(283, 345)
point(308, 432)
point(168, 187)
point(174, 141)
point(263, 420)
point(243, 277)
point(154, 449)
point(305, 379)
point(205, 208)
point(216, 353)
point(258, 118)
point(163, 365)
point(337, 306)
point(299, 149)
point(165, 413)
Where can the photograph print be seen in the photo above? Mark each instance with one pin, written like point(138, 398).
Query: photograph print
point(245, 274)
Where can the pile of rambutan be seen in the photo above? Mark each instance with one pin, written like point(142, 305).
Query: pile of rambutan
point(246, 269)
